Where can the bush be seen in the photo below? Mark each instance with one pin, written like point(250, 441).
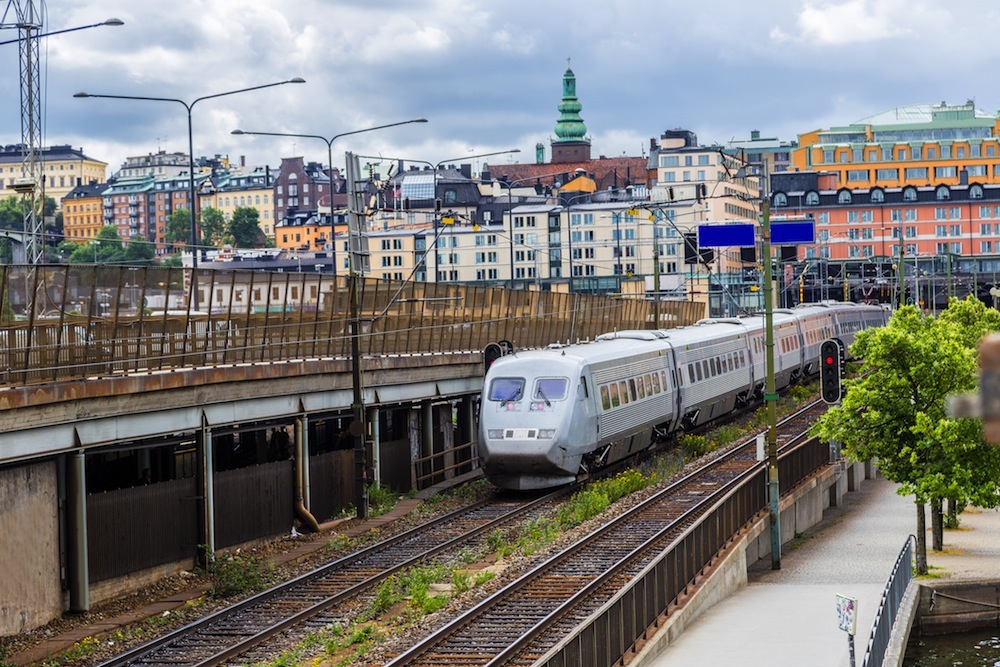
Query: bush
point(236, 574)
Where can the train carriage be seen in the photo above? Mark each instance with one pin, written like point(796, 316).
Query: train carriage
point(549, 415)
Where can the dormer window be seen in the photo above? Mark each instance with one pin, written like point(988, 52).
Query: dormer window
point(976, 192)
point(780, 199)
point(844, 197)
point(878, 196)
point(910, 194)
point(812, 198)
point(942, 192)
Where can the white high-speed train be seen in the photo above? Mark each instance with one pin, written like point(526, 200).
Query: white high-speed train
point(549, 415)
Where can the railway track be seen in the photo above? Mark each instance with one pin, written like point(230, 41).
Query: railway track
point(251, 624)
point(519, 623)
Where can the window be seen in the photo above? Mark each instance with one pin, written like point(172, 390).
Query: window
point(780, 199)
point(976, 192)
point(550, 389)
point(909, 194)
point(942, 192)
point(887, 174)
point(857, 175)
point(844, 197)
point(945, 172)
point(878, 195)
point(916, 172)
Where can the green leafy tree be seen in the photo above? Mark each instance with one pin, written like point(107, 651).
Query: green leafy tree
point(895, 413)
point(212, 225)
point(107, 248)
point(139, 252)
point(11, 213)
point(245, 228)
point(179, 226)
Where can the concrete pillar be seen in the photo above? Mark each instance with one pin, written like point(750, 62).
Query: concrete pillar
point(414, 431)
point(374, 420)
point(206, 480)
point(447, 426)
point(302, 456)
point(426, 438)
point(77, 570)
point(467, 426)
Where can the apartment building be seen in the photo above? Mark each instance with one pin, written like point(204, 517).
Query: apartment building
point(62, 166)
point(918, 145)
point(83, 211)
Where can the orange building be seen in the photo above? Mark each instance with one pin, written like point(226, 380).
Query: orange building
point(916, 145)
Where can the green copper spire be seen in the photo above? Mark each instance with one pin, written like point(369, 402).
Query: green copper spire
point(570, 126)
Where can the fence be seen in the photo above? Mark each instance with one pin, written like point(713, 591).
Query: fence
point(888, 606)
point(85, 321)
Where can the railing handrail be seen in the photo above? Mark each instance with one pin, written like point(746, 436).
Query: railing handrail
point(888, 606)
point(91, 321)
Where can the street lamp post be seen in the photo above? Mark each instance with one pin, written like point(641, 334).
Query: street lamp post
point(329, 157)
point(188, 106)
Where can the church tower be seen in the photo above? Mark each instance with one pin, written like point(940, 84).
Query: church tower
point(571, 143)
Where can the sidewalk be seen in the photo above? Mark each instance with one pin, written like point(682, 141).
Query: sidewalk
point(788, 616)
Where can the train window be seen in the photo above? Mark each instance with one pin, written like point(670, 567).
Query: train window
point(506, 389)
point(729, 362)
point(550, 389)
point(615, 398)
point(697, 368)
point(631, 390)
point(649, 385)
point(704, 368)
point(664, 377)
point(583, 387)
point(640, 388)
point(691, 372)
point(605, 398)
point(623, 389)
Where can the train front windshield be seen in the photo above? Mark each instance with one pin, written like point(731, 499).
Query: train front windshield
point(506, 390)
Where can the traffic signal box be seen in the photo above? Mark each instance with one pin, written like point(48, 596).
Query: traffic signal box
point(831, 370)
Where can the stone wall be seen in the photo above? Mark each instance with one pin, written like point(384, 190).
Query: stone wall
point(30, 593)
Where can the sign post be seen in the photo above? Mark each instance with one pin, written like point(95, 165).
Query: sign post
point(847, 620)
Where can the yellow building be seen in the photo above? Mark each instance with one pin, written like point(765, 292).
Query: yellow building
point(917, 145)
point(63, 167)
point(83, 212)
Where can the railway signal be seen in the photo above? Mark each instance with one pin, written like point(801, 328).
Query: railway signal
point(831, 370)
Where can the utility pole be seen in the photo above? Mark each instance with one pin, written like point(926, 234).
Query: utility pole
point(770, 393)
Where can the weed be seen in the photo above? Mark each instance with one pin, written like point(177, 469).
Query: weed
point(340, 542)
point(381, 499)
point(237, 574)
point(461, 581)
point(693, 445)
point(482, 577)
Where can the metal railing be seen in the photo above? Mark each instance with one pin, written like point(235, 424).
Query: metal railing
point(91, 321)
point(888, 606)
point(610, 633)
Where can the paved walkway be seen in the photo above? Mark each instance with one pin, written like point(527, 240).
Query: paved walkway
point(788, 617)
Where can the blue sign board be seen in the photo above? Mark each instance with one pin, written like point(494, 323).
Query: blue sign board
point(793, 233)
point(726, 236)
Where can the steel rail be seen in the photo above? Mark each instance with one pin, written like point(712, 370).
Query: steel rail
point(515, 644)
point(234, 646)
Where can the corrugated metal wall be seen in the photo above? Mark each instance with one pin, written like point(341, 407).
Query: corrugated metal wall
point(253, 502)
point(132, 529)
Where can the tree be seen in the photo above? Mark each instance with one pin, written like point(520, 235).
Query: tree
point(139, 252)
point(107, 248)
point(179, 226)
point(212, 225)
point(895, 413)
point(245, 228)
point(11, 213)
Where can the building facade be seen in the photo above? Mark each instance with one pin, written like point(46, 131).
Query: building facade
point(83, 212)
point(917, 145)
point(62, 166)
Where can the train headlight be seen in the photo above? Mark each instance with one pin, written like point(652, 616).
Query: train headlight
point(546, 433)
point(495, 434)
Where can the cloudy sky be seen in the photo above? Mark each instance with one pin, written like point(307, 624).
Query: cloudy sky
point(488, 75)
